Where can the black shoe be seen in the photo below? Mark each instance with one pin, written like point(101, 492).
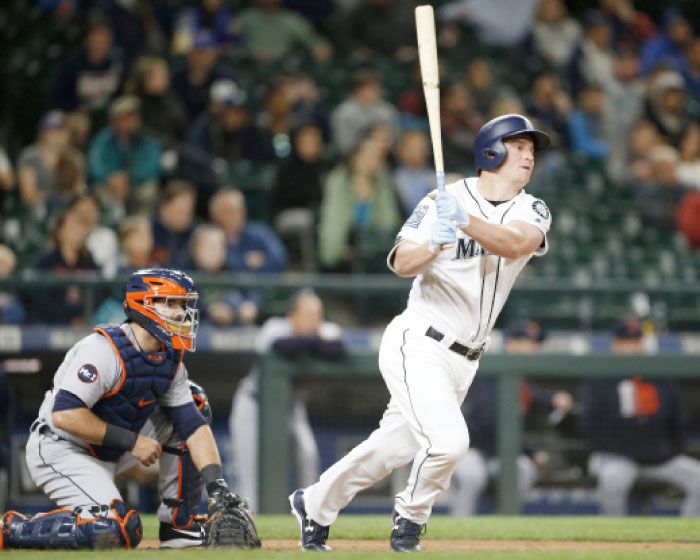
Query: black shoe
point(405, 536)
point(313, 535)
point(171, 537)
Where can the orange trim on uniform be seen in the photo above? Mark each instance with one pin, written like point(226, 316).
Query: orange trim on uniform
point(114, 391)
point(179, 492)
point(52, 511)
point(92, 451)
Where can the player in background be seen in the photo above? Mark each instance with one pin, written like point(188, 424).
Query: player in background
point(636, 429)
point(303, 332)
point(122, 395)
point(481, 461)
point(430, 353)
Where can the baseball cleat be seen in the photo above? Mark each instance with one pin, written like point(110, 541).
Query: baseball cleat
point(313, 535)
point(405, 536)
point(172, 537)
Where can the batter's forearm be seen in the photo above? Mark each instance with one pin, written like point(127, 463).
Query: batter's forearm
point(412, 259)
point(81, 423)
point(497, 239)
point(203, 448)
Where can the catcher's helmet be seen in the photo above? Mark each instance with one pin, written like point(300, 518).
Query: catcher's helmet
point(489, 149)
point(148, 294)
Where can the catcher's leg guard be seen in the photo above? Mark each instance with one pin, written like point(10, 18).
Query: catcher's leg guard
point(113, 526)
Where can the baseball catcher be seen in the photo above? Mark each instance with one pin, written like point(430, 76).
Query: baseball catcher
point(122, 397)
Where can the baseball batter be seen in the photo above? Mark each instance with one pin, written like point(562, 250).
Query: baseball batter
point(430, 353)
point(120, 396)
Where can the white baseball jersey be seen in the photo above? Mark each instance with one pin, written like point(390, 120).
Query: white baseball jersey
point(91, 369)
point(465, 288)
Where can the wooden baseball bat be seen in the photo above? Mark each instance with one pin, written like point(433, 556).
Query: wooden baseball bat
point(427, 53)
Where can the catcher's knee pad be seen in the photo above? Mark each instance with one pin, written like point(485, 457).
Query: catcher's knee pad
point(102, 526)
point(185, 505)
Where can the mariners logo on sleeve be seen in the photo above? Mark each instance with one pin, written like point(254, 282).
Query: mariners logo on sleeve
point(541, 209)
point(415, 219)
point(87, 373)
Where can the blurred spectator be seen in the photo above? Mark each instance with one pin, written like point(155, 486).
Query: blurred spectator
point(78, 126)
point(250, 246)
point(136, 244)
point(92, 76)
point(636, 429)
point(661, 197)
point(484, 89)
point(625, 104)
point(217, 305)
point(174, 224)
point(481, 408)
point(460, 123)
point(666, 104)
point(102, 242)
point(594, 58)
point(69, 254)
point(358, 198)
point(362, 109)
point(214, 16)
point(587, 127)
point(297, 192)
point(688, 167)
point(667, 47)
point(192, 81)
point(414, 175)
point(549, 105)
point(12, 309)
point(631, 27)
point(691, 70)
point(50, 172)
point(7, 174)
point(689, 219)
point(504, 23)
point(381, 29)
point(303, 332)
point(271, 32)
point(637, 164)
point(125, 162)
point(555, 34)
point(162, 111)
point(221, 137)
point(291, 101)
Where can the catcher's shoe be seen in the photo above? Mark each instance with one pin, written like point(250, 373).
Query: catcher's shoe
point(172, 537)
point(313, 535)
point(405, 536)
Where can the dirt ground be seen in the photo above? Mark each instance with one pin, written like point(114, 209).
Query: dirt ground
point(465, 545)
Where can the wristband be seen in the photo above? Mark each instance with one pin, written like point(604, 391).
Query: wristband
point(119, 438)
point(465, 223)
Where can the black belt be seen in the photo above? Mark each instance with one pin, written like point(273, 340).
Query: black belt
point(470, 353)
point(44, 430)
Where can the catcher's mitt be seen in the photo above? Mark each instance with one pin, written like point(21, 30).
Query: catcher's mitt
point(230, 523)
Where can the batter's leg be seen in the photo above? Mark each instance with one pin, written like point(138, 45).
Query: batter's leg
point(468, 483)
point(684, 473)
point(615, 474)
point(390, 446)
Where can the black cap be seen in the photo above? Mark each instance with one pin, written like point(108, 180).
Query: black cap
point(528, 330)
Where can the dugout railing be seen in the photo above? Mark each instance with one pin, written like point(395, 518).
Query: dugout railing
point(278, 375)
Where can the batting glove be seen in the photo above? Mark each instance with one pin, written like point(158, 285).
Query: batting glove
point(443, 232)
point(449, 209)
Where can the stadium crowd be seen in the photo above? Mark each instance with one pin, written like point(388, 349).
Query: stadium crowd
point(261, 136)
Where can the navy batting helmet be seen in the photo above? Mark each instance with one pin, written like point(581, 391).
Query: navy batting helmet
point(148, 292)
point(489, 149)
